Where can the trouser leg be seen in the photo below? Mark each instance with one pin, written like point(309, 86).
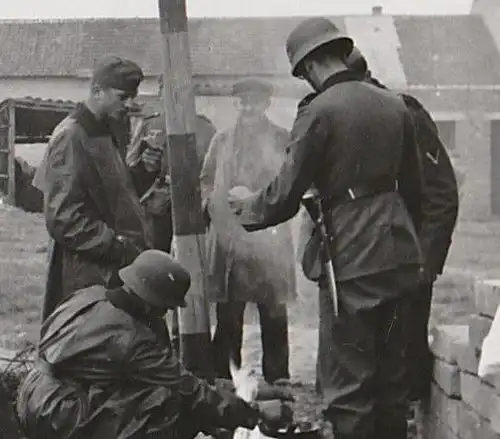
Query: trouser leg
point(346, 370)
point(227, 340)
point(274, 336)
point(419, 355)
point(392, 385)
point(361, 370)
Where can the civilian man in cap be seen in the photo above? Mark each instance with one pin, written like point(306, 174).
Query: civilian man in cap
point(245, 267)
point(435, 229)
point(349, 142)
point(106, 368)
point(92, 210)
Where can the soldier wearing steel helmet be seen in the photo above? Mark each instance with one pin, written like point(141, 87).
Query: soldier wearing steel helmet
point(348, 142)
point(106, 367)
point(435, 228)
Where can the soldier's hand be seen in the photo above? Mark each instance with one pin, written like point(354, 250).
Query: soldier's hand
point(139, 132)
point(326, 430)
point(275, 415)
point(153, 153)
point(126, 250)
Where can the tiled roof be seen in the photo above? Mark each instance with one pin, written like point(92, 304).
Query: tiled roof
point(455, 50)
point(430, 50)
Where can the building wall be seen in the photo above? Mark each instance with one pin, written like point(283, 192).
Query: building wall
point(470, 109)
point(72, 89)
point(490, 11)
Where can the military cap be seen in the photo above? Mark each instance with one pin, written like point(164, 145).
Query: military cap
point(120, 73)
point(157, 278)
point(253, 86)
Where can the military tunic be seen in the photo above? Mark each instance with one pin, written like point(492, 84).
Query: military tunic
point(352, 139)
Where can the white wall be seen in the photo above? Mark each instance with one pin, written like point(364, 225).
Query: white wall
point(72, 89)
point(218, 108)
point(221, 110)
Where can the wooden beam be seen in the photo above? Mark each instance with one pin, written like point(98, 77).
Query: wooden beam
point(189, 227)
point(11, 137)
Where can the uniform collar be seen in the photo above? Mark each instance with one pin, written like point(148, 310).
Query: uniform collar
point(92, 126)
point(339, 77)
point(134, 307)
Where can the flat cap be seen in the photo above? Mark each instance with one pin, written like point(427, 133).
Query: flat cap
point(253, 86)
point(120, 73)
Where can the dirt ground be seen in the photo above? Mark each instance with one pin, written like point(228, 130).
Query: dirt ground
point(22, 270)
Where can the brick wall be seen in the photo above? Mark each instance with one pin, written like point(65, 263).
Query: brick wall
point(462, 405)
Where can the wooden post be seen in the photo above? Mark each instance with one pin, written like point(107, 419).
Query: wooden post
point(189, 227)
point(11, 137)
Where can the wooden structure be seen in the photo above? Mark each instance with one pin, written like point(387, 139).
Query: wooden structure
point(26, 120)
point(184, 163)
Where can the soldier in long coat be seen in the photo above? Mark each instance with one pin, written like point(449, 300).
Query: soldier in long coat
point(350, 141)
point(106, 368)
point(435, 228)
point(245, 267)
point(92, 209)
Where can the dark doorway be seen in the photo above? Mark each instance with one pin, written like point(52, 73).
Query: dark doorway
point(447, 133)
point(495, 167)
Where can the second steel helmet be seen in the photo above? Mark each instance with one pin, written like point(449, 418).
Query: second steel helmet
point(357, 62)
point(310, 35)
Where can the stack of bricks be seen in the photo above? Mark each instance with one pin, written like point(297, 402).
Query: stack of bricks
point(462, 405)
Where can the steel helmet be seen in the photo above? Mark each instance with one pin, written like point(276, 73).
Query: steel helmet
point(157, 278)
point(312, 34)
point(357, 62)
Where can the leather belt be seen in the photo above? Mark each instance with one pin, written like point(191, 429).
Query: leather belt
point(355, 193)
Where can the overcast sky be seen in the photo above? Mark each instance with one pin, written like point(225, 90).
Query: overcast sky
point(13, 9)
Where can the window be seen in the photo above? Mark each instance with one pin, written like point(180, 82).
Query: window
point(446, 130)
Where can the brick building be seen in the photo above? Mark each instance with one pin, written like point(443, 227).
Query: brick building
point(451, 63)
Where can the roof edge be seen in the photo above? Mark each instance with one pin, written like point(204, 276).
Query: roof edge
point(224, 18)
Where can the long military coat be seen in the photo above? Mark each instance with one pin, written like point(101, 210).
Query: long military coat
point(107, 370)
point(89, 199)
point(249, 267)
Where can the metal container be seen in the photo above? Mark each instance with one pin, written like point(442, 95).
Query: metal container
point(303, 430)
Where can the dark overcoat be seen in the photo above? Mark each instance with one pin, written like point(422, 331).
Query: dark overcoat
point(440, 199)
point(107, 370)
point(89, 199)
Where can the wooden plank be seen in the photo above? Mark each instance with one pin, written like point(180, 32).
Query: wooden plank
point(189, 227)
point(11, 194)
